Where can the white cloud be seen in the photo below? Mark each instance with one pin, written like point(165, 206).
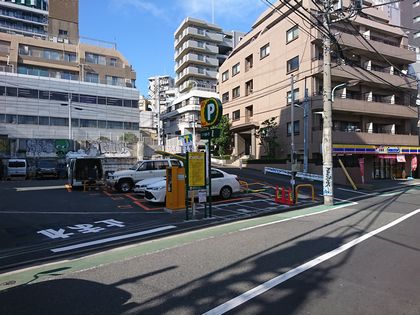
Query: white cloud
point(142, 6)
point(223, 9)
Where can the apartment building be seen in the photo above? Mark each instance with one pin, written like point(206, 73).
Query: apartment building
point(45, 83)
point(200, 48)
point(374, 121)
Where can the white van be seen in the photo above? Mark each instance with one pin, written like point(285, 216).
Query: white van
point(16, 168)
point(84, 169)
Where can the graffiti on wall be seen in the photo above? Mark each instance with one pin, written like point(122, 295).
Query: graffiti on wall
point(47, 147)
point(109, 149)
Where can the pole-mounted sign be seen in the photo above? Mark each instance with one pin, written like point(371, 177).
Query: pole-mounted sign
point(211, 111)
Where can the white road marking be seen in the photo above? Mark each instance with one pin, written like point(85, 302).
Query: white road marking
point(299, 216)
point(77, 212)
point(231, 304)
point(111, 239)
point(39, 188)
point(355, 191)
point(391, 194)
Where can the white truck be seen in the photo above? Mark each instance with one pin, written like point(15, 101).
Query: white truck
point(124, 181)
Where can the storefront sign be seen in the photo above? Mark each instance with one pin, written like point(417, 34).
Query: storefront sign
point(362, 169)
point(400, 158)
point(389, 150)
point(414, 163)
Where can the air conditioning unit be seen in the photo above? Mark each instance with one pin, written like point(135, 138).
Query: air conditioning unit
point(60, 40)
point(66, 40)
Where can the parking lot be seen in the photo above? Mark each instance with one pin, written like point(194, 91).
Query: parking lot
point(46, 219)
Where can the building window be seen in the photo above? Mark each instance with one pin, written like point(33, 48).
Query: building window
point(293, 64)
point(236, 69)
point(249, 62)
point(92, 77)
point(236, 92)
point(264, 51)
point(249, 111)
point(95, 59)
point(200, 44)
point(113, 62)
point(295, 96)
point(225, 75)
point(200, 57)
point(111, 80)
point(63, 33)
point(295, 127)
point(292, 34)
point(225, 97)
point(200, 31)
point(236, 115)
point(249, 87)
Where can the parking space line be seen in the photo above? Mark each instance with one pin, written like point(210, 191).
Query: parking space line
point(144, 207)
point(20, 189)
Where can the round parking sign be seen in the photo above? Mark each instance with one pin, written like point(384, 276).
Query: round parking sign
point(211, 112)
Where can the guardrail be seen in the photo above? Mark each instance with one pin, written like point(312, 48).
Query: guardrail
point(280, 171)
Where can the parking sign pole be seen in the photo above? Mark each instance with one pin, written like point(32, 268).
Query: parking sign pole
point(209, 173)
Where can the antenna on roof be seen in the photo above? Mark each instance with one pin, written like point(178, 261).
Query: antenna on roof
point(212, 11)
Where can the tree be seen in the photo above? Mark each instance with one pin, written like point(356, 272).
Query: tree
point(268, 137)
point(223, 142)
point(129, 137)
point(103, 139)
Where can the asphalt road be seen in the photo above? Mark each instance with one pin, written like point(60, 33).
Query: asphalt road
point(358, 257)
point(43, 220)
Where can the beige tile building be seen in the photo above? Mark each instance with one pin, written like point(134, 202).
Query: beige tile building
point(45, 70)
point(375, 119)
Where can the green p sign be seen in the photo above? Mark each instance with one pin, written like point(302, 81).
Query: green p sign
point(211, 112)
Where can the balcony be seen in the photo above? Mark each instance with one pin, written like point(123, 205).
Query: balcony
point(192, 32)
point(196, 73)
point(389, 49)
point(342, 137)
point(364, 107)
point(194, 45)
point(194, 59)
point(376, 75)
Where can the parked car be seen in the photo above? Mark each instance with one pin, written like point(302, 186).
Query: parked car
point(16, 168)
point(123, 181)
point(47, 168)
point(222, 184)
point(140, 186)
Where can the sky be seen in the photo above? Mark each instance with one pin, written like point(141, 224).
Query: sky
point(144, 29)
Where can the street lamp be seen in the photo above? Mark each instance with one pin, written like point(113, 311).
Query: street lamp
point(69, 104)
point(343, 85)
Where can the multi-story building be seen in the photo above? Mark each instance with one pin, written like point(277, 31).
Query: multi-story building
point(200, 48)
point(45, 83)
point(375, 119)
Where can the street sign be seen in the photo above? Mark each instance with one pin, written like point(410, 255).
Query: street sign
point(211, 112)
point(211, 133)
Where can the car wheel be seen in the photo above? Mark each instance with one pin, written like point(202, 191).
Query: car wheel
point(125, 186)
point(226, 192)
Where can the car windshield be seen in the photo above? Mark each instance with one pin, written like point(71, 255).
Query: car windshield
point(135, 166)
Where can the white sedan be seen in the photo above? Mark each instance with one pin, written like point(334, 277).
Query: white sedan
point(141, 185)
point(222, 184)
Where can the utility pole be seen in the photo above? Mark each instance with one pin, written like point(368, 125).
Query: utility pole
point(157, 101)
point(305, 130)
point(327, 167)
point(292, 133)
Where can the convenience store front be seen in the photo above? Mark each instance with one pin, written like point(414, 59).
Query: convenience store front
point(382, 162)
